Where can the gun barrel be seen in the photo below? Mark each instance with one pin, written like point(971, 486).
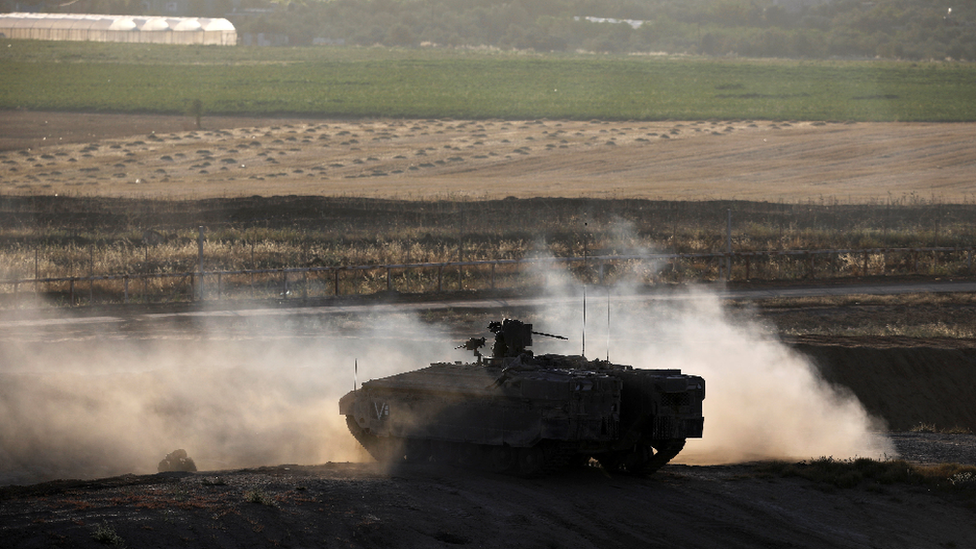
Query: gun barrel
point(554, 336)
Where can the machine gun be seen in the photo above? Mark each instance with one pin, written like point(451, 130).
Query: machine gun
point(512, 338)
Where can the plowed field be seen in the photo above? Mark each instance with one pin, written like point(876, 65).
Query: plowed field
point(164, 156)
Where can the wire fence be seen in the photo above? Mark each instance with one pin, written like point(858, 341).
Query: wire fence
point(330, 281)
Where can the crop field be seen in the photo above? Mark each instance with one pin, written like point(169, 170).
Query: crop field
point(354, 82)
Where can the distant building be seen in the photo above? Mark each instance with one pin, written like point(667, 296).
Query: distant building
point(634, 23)
point(118, 28)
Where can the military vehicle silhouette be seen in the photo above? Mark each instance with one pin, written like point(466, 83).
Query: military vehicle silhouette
point(525, 414)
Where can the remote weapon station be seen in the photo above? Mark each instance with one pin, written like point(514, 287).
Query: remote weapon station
point(525, 414)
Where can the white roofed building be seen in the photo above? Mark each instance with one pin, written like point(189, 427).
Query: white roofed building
point(118, 28)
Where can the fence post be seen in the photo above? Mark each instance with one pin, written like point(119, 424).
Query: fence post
point(91, 274)
point(200, 258)
point(728, 261)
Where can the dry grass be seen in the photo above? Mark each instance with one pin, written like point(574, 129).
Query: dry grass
point(933, 428)
point(83, 237)
point(851, 473)
point(922, 315)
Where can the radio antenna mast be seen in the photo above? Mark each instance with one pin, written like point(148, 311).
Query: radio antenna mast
point(584, 321)
point(608, 323)
point(585, 224)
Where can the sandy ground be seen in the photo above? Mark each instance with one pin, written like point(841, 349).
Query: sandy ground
point(159, 156)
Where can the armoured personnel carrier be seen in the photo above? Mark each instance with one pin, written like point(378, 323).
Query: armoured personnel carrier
point(526, 414)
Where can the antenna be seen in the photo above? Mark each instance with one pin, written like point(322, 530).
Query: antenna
point(585, 265)
point(355, 375)
point(583, 352)
point(608, 323)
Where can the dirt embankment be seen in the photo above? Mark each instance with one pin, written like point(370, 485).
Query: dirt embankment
point(350, 505)
point(906, 386)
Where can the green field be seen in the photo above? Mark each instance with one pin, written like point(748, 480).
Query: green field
point(381, 82)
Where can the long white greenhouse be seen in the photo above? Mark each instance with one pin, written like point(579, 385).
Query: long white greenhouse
point(118, 28)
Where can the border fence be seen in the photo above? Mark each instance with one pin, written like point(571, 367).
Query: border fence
point(332, 281)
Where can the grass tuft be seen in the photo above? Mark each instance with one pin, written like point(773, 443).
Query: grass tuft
point(933, 428)
point(259, 496)
point(214, 481)
point(107, 535)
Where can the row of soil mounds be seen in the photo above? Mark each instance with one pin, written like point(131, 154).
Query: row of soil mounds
point(906, 386)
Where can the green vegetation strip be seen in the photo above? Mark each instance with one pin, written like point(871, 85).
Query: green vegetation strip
point(377, 82)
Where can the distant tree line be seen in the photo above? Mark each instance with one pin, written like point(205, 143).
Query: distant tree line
point(895, 29)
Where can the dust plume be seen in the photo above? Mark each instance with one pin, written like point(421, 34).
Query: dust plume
point(763, 400)
point(233, 392)
point(115, 396)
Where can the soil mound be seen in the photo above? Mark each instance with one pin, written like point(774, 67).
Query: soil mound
point(907, 386)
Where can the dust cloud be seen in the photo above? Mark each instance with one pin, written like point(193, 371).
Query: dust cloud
point(111, 399)
point(105, 399)
point(763, 400)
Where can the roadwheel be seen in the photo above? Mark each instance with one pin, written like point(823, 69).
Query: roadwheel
point(531, 461)
point(502, 459)
point(445, 452)
point(630, 461)
point(417, 450)
point(471, 455)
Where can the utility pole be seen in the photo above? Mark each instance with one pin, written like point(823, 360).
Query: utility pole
point(728, 258)
point(200, 257)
